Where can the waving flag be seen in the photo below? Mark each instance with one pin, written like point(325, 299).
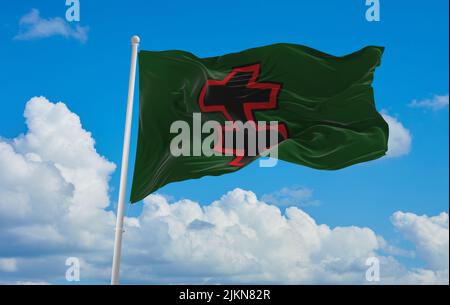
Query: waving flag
point(323, 105)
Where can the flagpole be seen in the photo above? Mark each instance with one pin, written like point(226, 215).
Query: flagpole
point(124, 169)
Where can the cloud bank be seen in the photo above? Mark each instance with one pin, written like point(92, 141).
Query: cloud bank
point(53, 204)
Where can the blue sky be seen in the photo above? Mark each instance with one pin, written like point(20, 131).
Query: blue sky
point(91, 78)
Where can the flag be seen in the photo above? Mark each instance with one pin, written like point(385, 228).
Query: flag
point(323, 107)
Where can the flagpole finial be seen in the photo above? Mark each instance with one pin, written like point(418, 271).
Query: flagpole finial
point(135, 39)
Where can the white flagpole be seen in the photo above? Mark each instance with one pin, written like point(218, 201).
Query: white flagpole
point(124, 169)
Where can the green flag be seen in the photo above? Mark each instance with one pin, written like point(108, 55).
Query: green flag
point(323, 107)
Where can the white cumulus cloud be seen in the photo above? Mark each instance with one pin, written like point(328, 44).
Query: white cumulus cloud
point(239, 238)
point(53, 189)
point(33, 26)
point(429, 234)
point(400, 138)
point(54, 204)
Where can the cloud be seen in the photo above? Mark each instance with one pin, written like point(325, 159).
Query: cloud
point(437, 102)
point(429, 235)
point(53, 191)
point(247, 240)
point(31, 283)
point(291, 196)
point(8, 265)
point(400, 138)
point(54, 204)
point(33, 26)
